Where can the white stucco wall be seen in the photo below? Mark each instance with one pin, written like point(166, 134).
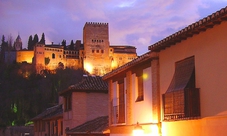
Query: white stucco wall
point(143, 109)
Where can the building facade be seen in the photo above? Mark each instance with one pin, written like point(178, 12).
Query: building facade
point(84, 101)
point(180, 86)
point(78, 104)
point(95, 55)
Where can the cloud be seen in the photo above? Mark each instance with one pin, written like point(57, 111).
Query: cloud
point(131, 22)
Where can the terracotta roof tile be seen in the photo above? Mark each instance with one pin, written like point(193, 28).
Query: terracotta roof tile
point(88, 84)
point(97, 125)
point(50, 112)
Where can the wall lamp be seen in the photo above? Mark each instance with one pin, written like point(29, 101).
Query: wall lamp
point(138, 130)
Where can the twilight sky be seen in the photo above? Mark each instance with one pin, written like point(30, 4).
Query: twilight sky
point(137, 23)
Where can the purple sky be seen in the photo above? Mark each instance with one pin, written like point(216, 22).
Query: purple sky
point(138, 23)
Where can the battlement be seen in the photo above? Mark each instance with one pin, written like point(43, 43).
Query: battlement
point(95, 24)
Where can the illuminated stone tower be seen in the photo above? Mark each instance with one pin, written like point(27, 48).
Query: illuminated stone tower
point(18, 44)
point(39, 58)
point(96, 48)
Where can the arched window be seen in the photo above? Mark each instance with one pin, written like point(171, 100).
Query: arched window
point(53, 56)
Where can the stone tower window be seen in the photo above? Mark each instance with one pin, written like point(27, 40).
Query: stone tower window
point(53, 56)
point(97, 51)
point(93, 51)
point(102, 51)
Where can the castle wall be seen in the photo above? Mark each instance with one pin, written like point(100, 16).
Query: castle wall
point(119, 59)
point(55, 55)
point(24, 56)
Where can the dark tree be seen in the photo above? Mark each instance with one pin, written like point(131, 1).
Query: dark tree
point(47, 60)
point(71, 46)
point(10, 43)
point(30, 43)
point(35, 40)
point(42, 39)
point(3, 48)
point(63, 43)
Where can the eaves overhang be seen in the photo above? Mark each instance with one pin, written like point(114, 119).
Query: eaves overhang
point(191, 30)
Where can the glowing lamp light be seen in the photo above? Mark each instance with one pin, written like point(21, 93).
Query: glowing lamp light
point(145, 76)
point(88, 67)
point(138, 130)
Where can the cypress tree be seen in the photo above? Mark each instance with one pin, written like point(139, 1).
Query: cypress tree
point(71, 46)
point(42, 39)
point(35, 40)
point(30, 43)
point(63, 43)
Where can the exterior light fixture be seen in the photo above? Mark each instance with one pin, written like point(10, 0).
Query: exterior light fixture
point(138, 130)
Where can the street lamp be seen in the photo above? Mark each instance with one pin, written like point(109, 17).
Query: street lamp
point(138, 130)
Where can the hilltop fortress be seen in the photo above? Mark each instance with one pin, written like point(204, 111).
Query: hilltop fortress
point(95, 54)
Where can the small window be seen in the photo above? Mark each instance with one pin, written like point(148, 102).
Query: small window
point(93, 51)
point(97, 51)
point(102, 51)
point(68, 102)
point(53, 56)
point(140, 92)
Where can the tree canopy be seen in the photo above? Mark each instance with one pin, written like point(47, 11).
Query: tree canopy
point(25, 94)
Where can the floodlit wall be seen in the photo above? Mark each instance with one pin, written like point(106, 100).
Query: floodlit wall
point(140, 114)
point(209, 49)
point(24, 56)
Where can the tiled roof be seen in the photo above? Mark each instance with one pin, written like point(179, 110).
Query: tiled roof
point(193, 29)
point(89, 84)
point(98, 125)
point(51, 112)
point(130, 64)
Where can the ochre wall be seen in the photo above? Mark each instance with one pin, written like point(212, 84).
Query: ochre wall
point(24, 56)
point(120, 59)
point(210, 51)
point(210, 126)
